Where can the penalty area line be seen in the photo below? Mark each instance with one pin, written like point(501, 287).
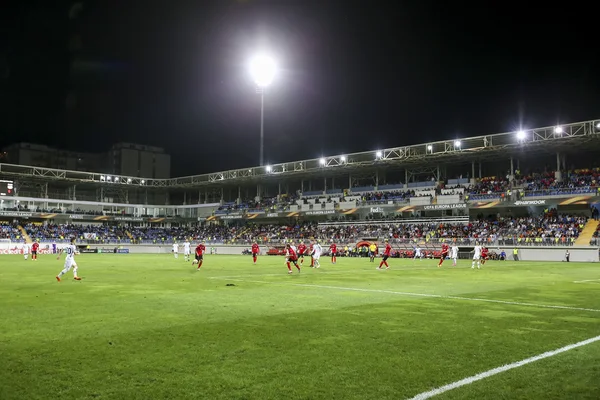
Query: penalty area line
point(587, 280)
point(440, 296)
point(411, 294)
point(504, 368)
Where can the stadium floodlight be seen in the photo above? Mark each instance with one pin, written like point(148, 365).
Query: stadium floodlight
point(269, 168)
point(343, 159)
point(429, 148)
point(457, 144)
point(322, 161)
point(598, 125)
point(116, 179)
point(108, 179)
point(143, 182)
point(102, 178)
point(379, 154)
point(263, 70)
point(558, 130)
point(521, 135)
point(128, 180)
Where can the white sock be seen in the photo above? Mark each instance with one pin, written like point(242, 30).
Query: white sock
point(64, 271)
point(75, 272)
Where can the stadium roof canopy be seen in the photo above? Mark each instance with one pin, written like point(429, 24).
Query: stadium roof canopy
point(579, 136)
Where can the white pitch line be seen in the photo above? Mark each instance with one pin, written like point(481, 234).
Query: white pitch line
point(439, 296)
point(319, 272)
point(435, 296)
point(587, 280)
point(504, 368)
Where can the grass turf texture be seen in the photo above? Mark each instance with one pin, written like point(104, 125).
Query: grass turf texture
point(151, 327)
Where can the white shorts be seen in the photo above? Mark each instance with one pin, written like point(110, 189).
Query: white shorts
point(476, 258)
point(187, 252)
point(70, 263)
point(316, 256)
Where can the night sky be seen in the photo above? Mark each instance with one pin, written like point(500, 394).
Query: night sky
point(355, 75)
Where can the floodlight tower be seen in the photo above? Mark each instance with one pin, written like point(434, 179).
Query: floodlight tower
point(262, 69)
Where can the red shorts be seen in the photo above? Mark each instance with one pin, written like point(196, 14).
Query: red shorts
point(444, 254)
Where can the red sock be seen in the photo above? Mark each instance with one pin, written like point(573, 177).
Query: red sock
point(297, 266)
point(386, 264)
point(254, 258)
point(441, 261)
point(312, 262)
point(289, 266)
point(380, 264)
point(334, 259)
point(302, 261)
point(200, 264)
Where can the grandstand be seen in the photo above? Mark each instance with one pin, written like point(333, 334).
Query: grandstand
point(537, 188)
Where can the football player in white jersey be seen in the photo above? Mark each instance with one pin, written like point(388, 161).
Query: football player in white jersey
point(25, 250)
point(454, 254)
point(418, 253)
point(476, 256)
point(316, 254)
point(176, 250)
point(186, 250)
point(70, 250)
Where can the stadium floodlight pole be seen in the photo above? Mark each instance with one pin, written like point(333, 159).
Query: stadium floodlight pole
point(262, 69)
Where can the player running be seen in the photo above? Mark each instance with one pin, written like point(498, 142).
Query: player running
point(255, 251)
point(454, 254)
point(301, 252)
point(200, 249)
point(25, 250)
point(333, 250)
point(70, 250)
point(34, 250)
point(186, 250)
point(176, 250)
point(316, 255)
point(386, 254)
point(476, 257)
point(484, 255)
point(444, 254)
point(418, 254)
point(291, 257)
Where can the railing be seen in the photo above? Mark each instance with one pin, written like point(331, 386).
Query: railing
point(561, 192)
point(407, 243)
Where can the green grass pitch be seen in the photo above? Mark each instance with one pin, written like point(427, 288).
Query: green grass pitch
point(151, 327)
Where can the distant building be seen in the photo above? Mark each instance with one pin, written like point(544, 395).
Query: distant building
point(125, 159)
point(138, 160)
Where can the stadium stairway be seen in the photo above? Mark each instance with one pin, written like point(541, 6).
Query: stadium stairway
point(24, 233)
point(587, 233)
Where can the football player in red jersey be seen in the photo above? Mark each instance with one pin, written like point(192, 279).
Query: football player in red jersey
point(444, 254)
point(200, 249)
point(34, 250)
point(484, 255)
point(255, 251)
point(291, 258)
point(301, 252)
point(386, 254)
point(333, 250)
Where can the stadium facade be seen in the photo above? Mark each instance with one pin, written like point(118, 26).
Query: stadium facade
point(428, 180)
